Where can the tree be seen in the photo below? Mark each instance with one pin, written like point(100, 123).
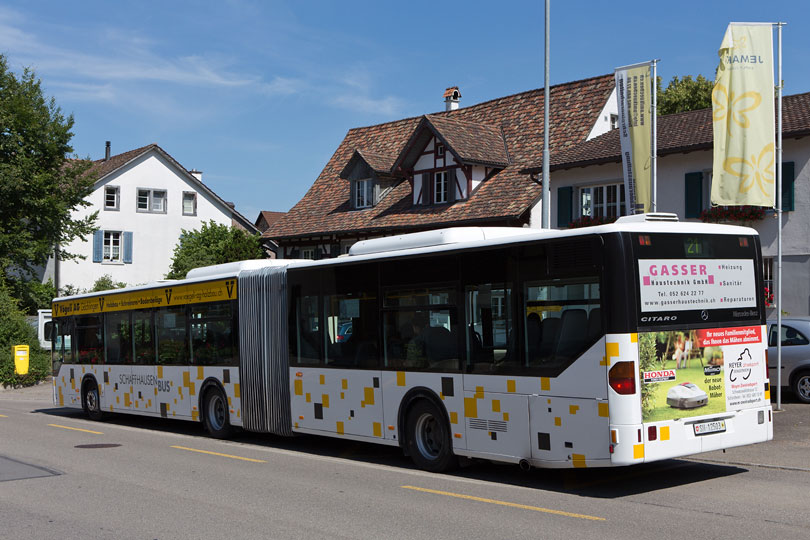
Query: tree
point(684, 94)
point(213, 244)
point(40, 186)
point(106, 283)
point(15, 330)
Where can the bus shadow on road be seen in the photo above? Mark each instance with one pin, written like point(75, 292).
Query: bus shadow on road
point(606, 483)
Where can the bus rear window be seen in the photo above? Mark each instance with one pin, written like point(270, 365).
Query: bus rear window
point(701, 279)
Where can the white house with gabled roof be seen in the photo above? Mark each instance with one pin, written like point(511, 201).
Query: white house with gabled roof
point(144, 199)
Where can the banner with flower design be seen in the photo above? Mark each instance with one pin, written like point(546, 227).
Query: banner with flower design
point(744, 167)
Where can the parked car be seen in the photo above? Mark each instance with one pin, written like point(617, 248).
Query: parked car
point(344, 332)
point(795, 355)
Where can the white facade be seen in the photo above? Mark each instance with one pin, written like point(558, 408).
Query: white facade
point(145, 237)
point(608, 118)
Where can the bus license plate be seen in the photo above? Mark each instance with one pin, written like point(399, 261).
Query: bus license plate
point(704, 428)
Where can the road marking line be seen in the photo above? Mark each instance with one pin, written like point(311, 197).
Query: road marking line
point(77, 429)
point(218, 454)
point(504, 503)
point(3, 416)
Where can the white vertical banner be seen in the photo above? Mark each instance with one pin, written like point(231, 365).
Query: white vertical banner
point(633, 93)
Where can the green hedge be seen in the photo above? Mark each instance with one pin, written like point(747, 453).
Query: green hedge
point(15, 330)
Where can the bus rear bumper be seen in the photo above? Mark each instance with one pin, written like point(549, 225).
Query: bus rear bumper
point(654, 441)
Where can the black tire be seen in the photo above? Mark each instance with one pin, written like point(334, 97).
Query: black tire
point(91, 403)
point(801, 386)
point(215, 414)
point(428, 438)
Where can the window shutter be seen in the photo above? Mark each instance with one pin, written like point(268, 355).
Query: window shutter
point(565, 199)
point(427, 188)
point(788, 178)
point(353, 194)
point(334, 250)
point(376, 190)
point(451, 185)
point(98, 246)
point(693, 194)
point(128, 247)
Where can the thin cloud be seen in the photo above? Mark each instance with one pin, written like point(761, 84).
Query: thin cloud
point(388, 106)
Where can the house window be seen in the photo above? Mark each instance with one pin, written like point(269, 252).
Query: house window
point(152, 200)
point(614, 121)
point(364, 193)
point(602, 201)
point(111, 198)
point(308, 253)
point(440, 187)
point(189, 203)
point(768, 280)
point(440, 150)
point(112, 246)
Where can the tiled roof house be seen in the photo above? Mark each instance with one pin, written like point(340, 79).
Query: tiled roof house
point(453, 168)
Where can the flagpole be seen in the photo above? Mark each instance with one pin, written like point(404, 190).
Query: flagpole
point(546, 201)
point(654, 136)
point(779, 219)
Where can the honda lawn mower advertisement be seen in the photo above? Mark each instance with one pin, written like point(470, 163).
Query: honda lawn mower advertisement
point(686, 373)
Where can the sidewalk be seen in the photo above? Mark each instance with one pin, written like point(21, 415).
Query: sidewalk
point(789, 449)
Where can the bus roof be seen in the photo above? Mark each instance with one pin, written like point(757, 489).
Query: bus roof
point(449, 239)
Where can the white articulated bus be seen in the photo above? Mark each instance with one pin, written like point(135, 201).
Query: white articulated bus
point(610, 345)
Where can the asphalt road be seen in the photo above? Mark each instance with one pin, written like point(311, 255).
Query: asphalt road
point(62, 476)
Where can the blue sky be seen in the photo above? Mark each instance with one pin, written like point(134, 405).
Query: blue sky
point(259, 94)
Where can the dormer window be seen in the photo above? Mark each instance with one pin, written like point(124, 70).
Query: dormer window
point(364, 193)
point(440, 187)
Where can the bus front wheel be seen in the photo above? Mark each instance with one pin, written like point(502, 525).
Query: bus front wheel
point(215, 414)
point(91, 401)
point(428, 441)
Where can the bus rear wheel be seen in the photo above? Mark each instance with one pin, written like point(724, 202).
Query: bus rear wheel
point(91, 401)
point(215, 414)
point(428, 441)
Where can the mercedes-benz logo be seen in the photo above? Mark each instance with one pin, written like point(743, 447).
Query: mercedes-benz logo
point(704, 315)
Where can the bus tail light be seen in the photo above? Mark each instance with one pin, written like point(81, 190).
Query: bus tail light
point(622, 378)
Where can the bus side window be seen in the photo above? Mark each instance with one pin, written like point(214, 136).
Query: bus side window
point(143, 336)
point(89, 339)
point(118, 330)
point(62, 343)
point(306, 333)
point(212, 334)
point(563, 319)
point(490, 337)
point(172, 336)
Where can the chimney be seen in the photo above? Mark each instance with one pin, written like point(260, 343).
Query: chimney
point(451, 98)
point(196, 174)
point(107, 151)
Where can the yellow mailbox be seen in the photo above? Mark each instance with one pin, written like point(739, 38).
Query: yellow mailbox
point(21, 359)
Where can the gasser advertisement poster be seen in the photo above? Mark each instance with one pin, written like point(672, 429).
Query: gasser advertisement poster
point(686, 373)
point(690, 284)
